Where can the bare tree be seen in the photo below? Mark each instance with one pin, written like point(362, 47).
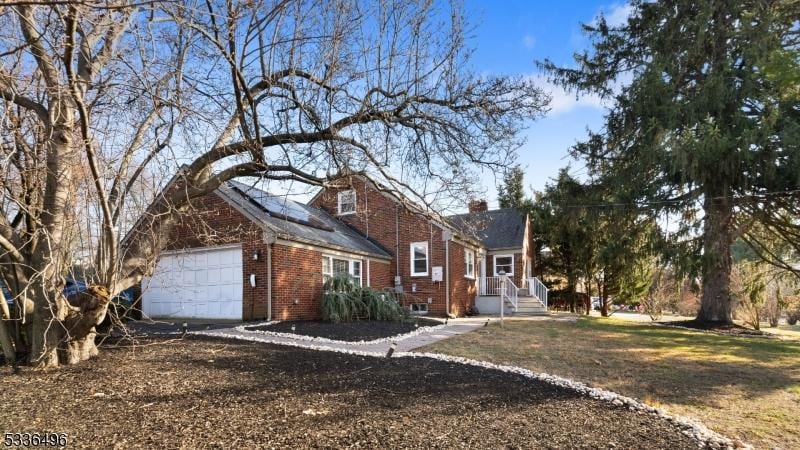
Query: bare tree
point(101, 102)
point(663, 292)
point(749, 284)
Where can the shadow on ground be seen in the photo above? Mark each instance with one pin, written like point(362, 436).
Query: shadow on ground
point(744, 387)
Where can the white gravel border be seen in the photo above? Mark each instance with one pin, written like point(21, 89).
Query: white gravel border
point(301, 337)
point(689, 427)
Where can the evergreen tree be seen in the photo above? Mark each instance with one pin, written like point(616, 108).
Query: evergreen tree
point(706, 125)
point(603, 247)
point(626, 243)
point(511, 194)
point(558, 228)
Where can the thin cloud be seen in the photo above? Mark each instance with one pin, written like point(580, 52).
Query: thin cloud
point(528, 41)
point(617, 14)
point(561, 101)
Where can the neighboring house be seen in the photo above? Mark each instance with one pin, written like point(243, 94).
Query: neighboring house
point(246, 254)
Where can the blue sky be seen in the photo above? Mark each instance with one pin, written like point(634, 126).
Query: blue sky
point(509, 37)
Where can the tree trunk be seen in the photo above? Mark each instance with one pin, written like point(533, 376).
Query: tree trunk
point(572, 296)
point(603, 299)
point(44, 334)
point(6, 341)
point(588, 305)
point(68, 336)
point(716, 302)
point(79, 348)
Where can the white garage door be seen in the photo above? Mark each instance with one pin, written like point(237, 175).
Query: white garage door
point(202, 284)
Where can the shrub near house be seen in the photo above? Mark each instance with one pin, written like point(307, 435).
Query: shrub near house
point(343, 301)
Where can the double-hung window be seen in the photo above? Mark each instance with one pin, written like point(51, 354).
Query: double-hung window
point(332, 265)
point(503, 263)
point(469, 263)
point(346, 202)
point(419, 259)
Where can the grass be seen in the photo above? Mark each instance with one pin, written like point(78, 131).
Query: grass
point(787, 331)
point(743, 388)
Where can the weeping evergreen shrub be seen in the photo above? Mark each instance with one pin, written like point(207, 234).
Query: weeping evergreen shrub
point(380, 305)
point(337, 307)
point(344, 301)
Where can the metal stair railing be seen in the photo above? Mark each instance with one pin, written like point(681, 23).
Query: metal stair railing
point(538, 289)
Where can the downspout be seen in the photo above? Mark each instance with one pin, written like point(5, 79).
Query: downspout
point(269, 282)
point(447, 275)
point(397, 238)
point(366, 209)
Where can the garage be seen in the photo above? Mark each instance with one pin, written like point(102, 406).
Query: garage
point(196, 284)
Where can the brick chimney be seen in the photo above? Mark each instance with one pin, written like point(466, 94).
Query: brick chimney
point(478, 206)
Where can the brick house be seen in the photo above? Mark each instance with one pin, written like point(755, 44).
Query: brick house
point(244, 254)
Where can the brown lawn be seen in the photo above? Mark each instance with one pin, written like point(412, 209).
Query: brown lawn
point(744, 388)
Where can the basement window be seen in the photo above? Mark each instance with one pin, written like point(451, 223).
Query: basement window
point(419, 308)
point(346, 203)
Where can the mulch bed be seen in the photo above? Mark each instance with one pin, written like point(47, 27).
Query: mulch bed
point(720, 328)
point(362, 330)
point(202, 393)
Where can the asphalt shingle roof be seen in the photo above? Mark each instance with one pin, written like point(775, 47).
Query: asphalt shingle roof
point(500, 228)
point(294, 219)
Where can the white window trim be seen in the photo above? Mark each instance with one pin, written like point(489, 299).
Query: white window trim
point(350, 264)
point(494, 265)
point(467, 253)
point(360, 270)
point(339, 202)
point(427, 259)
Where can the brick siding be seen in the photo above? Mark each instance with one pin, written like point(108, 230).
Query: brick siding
point(462, 289)
point(296, 283)
point(382, 220)
point(297, 270)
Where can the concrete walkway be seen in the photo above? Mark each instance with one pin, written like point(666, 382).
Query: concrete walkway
point(453, 328)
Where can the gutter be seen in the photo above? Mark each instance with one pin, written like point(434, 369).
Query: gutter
point(290, 238)
point(493, 251)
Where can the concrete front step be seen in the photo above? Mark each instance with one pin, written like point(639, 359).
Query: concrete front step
point(526, 306)
point(530, 306)
point(533, 303)
point(530, 309)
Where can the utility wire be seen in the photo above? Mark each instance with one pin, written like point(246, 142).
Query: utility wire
point(764, 195)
